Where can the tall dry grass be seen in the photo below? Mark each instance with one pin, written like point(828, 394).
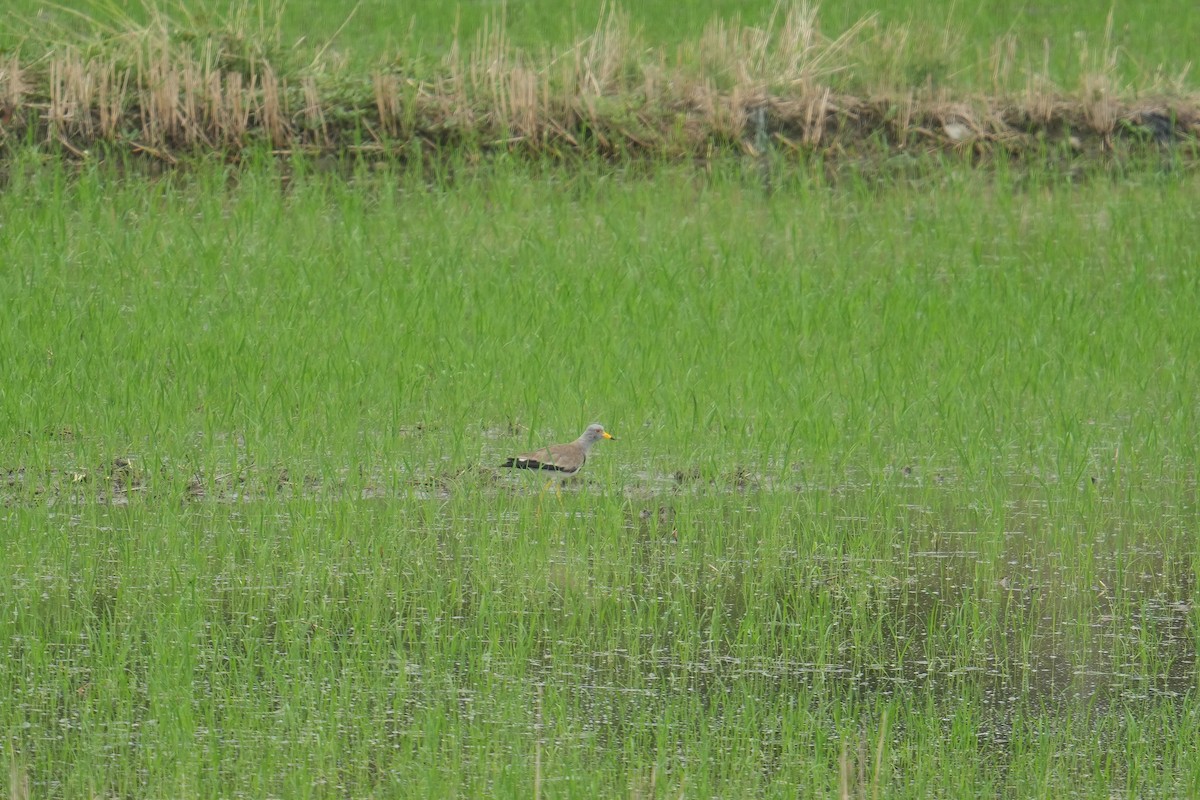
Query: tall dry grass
point(172, 85)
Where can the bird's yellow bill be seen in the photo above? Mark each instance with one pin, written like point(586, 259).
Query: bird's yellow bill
point(608, 435)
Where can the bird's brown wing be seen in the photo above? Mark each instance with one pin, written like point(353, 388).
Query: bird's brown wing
point(547, 458)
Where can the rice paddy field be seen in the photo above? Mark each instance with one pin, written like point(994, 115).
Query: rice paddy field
point(903, 501)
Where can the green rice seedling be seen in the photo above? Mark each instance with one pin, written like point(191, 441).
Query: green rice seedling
point(903, 502)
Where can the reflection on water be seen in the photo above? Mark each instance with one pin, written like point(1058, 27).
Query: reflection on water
point(842, 607)
point(1039, 644)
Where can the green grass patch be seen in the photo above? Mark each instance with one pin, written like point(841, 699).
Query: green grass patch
point(903, 502)
point(951, 41)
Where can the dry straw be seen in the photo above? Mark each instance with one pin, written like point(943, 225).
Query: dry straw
point(172, 85)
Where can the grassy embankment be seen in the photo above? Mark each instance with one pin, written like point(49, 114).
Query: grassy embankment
point(168, 83)
point(904, 502)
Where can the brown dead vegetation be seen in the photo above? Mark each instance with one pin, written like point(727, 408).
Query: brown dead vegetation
point(783, 87)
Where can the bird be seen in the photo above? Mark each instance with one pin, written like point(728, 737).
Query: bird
point(566, 458)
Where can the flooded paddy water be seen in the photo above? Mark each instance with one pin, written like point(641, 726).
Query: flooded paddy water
point(652, 624)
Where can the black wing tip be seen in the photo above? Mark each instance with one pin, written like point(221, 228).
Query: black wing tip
point(529, 463)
